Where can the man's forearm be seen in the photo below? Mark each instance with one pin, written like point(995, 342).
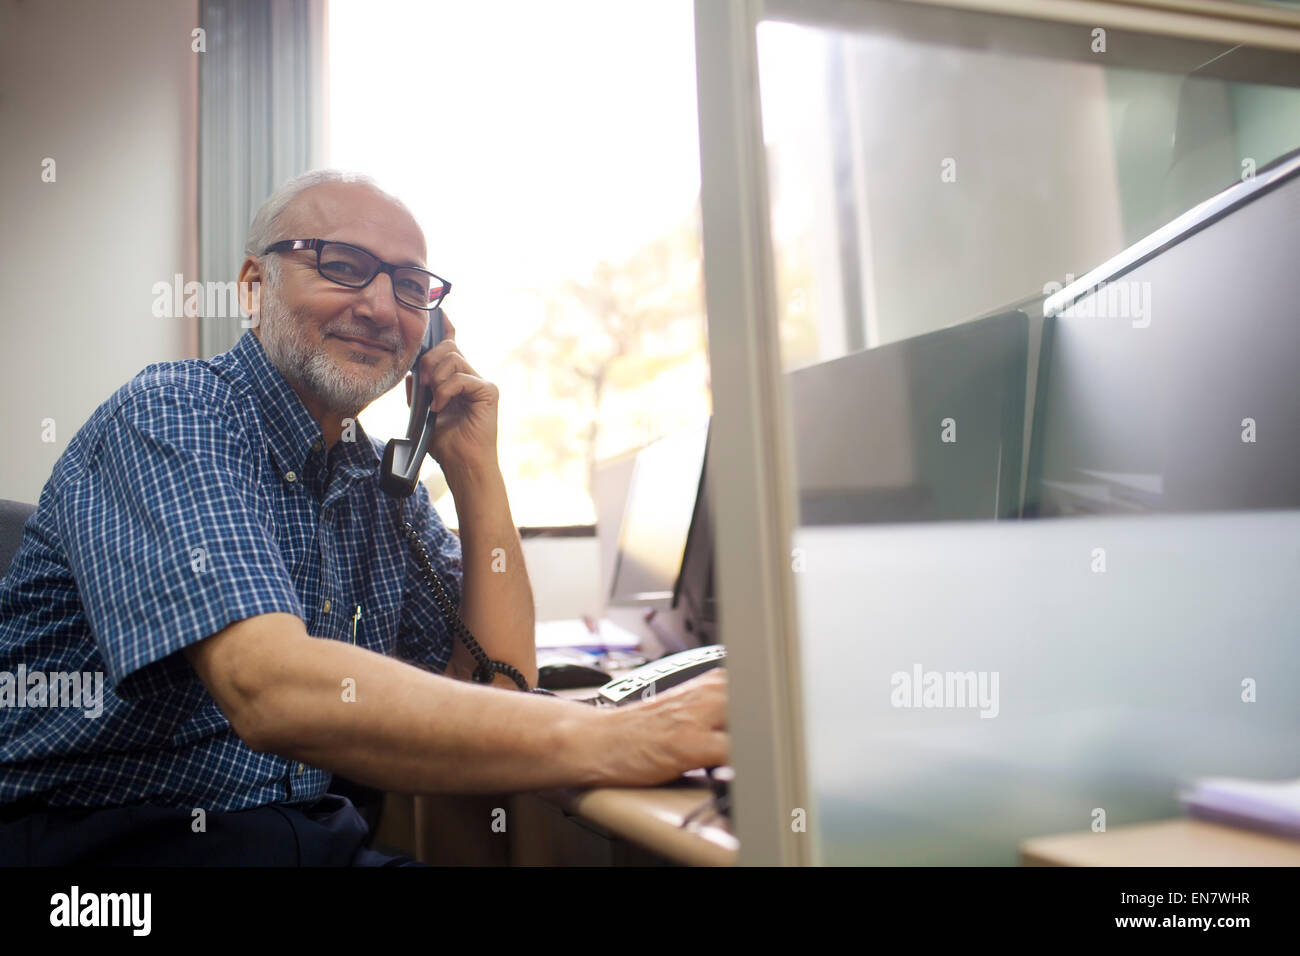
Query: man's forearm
point(496, 596)
point(390, 725)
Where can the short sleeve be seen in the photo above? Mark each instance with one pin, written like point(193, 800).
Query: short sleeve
point(424, 637)
point(168, 539)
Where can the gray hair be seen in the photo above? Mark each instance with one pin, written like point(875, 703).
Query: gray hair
point(262, 230)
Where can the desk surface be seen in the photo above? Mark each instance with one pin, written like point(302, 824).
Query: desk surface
point(652, 817)
point(1166, 843)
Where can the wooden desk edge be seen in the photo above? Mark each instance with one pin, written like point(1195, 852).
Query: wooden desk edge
point(651, 818)
point(1177, 842)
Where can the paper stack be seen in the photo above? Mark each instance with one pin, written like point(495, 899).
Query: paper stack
point(584, 633)
point(1272, 805)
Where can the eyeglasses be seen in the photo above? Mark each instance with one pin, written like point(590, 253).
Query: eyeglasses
point(356, 268)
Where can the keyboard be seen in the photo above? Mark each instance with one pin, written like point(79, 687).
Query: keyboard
point(657, 676)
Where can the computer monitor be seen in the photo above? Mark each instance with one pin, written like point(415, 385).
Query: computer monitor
point(1167, 377)
point(694, 598)
point(927, 429)
point(665, 550)
point(661, 502)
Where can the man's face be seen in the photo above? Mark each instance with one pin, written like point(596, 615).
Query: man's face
point(343, 346)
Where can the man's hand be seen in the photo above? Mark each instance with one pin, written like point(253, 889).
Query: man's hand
point(465, 436)
point(659, 739)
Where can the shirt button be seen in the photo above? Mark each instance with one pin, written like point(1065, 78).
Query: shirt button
point(301, 768)
point(316, 446)
point(290, 476)
point(326, 606)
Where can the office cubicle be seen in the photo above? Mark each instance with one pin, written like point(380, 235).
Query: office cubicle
point(1016, 154)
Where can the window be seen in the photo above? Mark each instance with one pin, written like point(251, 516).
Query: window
point(557, 178)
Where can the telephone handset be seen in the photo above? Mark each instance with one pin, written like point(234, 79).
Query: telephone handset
point(398, 475)
point(404, 456)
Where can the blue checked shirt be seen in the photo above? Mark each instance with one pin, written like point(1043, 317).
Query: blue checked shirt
point(200, 494)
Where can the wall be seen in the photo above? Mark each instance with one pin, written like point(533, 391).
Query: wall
point(109, 91)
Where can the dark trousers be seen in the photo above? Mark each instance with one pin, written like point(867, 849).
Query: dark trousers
point(329, 832)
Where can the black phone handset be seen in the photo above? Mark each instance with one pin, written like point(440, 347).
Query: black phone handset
point(404, 456)
point(398, 476)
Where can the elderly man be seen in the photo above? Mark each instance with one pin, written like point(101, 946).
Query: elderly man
point(215, 540)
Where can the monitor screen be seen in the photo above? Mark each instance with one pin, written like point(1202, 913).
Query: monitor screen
point(695, 598)
point(657, 518)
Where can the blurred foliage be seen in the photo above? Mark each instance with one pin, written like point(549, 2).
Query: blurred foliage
point(616, 357)
point(620, 359)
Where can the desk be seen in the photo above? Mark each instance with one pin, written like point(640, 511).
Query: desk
point(609, 826)
point(1165, 843)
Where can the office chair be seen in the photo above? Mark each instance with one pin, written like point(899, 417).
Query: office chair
point(13, 516)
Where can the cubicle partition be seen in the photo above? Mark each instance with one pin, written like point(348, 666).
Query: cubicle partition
point(938, 649)
point(972, 685)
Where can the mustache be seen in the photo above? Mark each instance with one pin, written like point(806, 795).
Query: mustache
point(391, 342)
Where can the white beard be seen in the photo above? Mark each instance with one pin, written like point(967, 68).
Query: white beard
point(343, 391)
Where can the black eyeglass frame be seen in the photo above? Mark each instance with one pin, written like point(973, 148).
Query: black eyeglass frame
point(294, 245)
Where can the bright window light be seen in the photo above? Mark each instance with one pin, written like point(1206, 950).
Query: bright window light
point(555, 170)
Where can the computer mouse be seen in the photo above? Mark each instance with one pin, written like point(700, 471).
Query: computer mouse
point(566, 676)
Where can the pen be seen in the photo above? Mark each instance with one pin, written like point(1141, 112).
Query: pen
point(593, 628)
point(356, 616)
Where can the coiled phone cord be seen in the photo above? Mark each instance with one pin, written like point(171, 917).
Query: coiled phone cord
point(487, 669)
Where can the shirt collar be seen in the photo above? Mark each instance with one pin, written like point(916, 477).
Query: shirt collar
point(293, 435)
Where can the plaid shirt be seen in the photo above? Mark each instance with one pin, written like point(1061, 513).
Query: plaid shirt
point(197, 496)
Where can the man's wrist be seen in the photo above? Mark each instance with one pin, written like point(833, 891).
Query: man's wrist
point(585, 742)
point(470, 478)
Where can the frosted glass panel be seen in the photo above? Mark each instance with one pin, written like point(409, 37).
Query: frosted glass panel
point(1039, 559)
point(1104, 689)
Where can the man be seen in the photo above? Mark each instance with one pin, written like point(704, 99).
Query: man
point(215, 542)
